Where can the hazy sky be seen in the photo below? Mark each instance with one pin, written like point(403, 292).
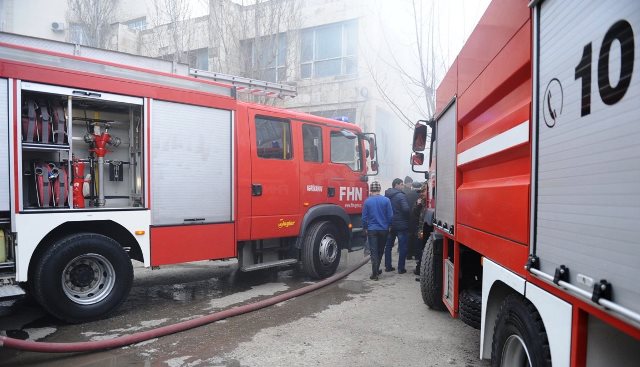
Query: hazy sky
point(458, 19)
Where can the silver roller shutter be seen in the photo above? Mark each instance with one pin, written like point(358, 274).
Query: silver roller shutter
point(446, 168)
point(191, 164)
point(588, 180)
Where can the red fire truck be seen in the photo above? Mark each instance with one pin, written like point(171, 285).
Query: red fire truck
point(107, 157)
point(536, 163)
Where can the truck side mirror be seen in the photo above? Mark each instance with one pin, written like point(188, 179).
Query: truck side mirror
point(417, 159)
point(419, 137)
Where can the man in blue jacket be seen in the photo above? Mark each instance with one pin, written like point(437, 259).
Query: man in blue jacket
point(399, 226)
point(376, 219)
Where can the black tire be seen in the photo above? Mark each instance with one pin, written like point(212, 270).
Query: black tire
point(82, 277)
point(431, 274)
point(470, 307)
point(519, 336)
point(321, 250)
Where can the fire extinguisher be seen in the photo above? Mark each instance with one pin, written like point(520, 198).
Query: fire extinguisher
point(78, 181)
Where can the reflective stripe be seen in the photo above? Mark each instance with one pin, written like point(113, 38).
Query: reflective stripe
point(508, 139)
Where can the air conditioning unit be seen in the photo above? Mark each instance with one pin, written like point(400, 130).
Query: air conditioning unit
point(57, 26)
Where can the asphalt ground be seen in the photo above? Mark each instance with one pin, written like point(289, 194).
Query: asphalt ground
point(353, 322)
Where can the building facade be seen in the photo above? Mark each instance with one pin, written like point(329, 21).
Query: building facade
point(329, 49)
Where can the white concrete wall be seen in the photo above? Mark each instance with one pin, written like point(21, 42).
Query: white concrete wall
point(33, 17)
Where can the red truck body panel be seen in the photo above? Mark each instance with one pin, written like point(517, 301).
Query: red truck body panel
point(491, 80)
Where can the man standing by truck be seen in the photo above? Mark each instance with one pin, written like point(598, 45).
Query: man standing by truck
point(376, 219)
point(399, 226)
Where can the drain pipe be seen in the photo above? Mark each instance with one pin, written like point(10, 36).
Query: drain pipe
point(92, 346)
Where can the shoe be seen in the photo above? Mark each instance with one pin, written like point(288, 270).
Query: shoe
point(417, 271)
point(389, 269)
point(379, 271)
point(402, 271)
point(417, 279)
point(373, 277)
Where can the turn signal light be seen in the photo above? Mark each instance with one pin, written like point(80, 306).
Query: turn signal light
point(139, 233)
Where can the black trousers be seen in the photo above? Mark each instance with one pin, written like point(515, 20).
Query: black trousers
point(377, 240)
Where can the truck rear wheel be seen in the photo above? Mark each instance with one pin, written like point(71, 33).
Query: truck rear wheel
point(321, 250)
point(470, 306)
point(82, 277)
point(519, 337)
point(431, 274)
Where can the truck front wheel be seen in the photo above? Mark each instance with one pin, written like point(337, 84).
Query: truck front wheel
point(82, 277)
point(321, 250)
point(519, 337)
point(431, 274)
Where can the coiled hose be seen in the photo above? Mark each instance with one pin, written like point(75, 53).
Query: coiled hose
point(91, 346)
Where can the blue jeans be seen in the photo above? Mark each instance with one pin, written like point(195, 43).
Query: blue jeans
point(377, 241)
point(403, 238)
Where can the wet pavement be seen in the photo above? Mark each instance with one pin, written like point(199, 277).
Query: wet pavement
point(353, 322)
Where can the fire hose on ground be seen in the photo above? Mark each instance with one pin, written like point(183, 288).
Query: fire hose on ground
point(91, 346)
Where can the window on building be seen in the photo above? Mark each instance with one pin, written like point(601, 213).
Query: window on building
point(138, 24)
point(273, 138)
point(342, 114)
point(78, 34)
point(312, 143)
point(267, 57)
point(329, 50)
point(345, 151)
point(199, 58)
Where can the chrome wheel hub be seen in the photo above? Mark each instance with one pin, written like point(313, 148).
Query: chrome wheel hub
point(88, 279)
point(515, 353)
point(328, 250)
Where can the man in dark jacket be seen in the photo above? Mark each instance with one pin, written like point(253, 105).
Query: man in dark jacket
point(412, 196)
point(399, 226)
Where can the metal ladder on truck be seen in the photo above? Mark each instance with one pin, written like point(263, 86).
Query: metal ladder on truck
point(236, 83)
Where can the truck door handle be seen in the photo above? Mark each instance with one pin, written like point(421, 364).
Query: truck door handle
point(256, 190)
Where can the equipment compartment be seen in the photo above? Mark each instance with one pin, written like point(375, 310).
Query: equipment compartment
point(93, 162)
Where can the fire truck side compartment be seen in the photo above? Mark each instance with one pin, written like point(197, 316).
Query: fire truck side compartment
point(446, 169)
point(588, 170)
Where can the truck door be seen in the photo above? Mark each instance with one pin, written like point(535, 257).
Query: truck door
point(345, 170)
point(274, 177)
point(313, 178)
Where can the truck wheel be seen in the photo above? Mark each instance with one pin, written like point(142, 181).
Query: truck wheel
point(431, 274)
point(82, 277)
point(470, 307)
point(519, 337)
point(320, 250)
